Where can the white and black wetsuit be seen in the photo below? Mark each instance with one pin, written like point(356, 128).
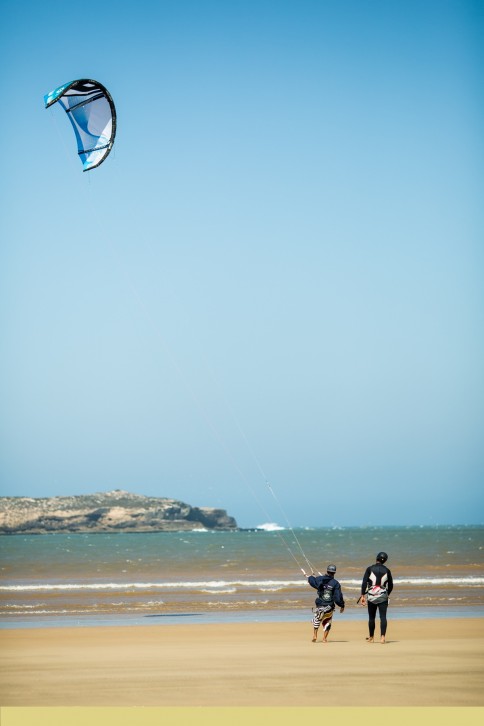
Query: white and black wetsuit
point(380, 575)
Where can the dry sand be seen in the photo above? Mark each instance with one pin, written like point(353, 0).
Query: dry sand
point(424, 663)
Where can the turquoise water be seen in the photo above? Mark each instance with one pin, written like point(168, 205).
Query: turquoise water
point(153, 577)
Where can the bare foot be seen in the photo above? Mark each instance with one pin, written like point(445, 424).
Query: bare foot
point(370, 640)
point(382, 639)
point(314, 640)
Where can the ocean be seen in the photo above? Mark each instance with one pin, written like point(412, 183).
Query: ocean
point(206, 576)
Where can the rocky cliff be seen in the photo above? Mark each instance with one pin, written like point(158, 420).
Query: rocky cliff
point(116, 511)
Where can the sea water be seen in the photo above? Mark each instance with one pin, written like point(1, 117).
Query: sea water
point(224, 576)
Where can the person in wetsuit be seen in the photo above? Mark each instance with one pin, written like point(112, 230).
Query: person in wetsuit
point(377, 575)
point(329, 595)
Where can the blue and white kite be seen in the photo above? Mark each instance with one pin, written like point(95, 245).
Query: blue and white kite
point(92, 114)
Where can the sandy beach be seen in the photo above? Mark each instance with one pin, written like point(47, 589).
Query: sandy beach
point(434, 662)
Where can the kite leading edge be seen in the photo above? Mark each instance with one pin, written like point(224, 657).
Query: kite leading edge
point(92, 114)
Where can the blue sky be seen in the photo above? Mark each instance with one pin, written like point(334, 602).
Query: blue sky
point(277, 275)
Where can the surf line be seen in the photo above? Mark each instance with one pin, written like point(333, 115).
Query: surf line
point(170, 356)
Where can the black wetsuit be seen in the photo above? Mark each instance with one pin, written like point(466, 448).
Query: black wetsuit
point(380, 575)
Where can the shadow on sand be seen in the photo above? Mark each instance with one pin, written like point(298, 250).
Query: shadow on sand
point(172, 615)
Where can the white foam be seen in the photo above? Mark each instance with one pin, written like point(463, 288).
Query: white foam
point(270, 527)
point(219, 585)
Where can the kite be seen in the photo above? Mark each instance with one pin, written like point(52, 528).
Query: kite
point(92, 114)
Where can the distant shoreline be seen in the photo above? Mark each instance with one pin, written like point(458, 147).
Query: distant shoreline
point(107, 512)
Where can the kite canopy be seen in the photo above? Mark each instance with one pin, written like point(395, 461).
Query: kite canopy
point(92, 114)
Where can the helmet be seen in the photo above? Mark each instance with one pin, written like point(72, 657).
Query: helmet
point(382, 557)
point(331, 569)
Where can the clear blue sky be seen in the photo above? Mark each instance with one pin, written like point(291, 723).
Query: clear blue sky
point(278, 272)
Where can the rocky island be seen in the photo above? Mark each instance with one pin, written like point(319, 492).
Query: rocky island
point(114, 511)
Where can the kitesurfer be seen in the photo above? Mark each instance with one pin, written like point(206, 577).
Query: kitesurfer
point(376, 587)
point(329, 595)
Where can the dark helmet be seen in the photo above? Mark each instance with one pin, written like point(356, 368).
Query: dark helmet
point(331, 569)
point(382, 557)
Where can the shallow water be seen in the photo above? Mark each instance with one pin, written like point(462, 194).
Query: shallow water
point(139, 577)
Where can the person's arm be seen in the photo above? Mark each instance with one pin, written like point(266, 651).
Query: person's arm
point(364, 585)
point(313, 581)
point(389, 582)
point(338, 598)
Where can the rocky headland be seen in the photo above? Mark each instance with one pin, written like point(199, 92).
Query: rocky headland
point(114, 511)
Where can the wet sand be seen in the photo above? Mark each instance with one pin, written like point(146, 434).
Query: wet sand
point(434, 662)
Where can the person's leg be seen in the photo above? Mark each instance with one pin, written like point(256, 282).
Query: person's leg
point(382, 607)
point(327, 620)
point(371, 620)
point(316, 624)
